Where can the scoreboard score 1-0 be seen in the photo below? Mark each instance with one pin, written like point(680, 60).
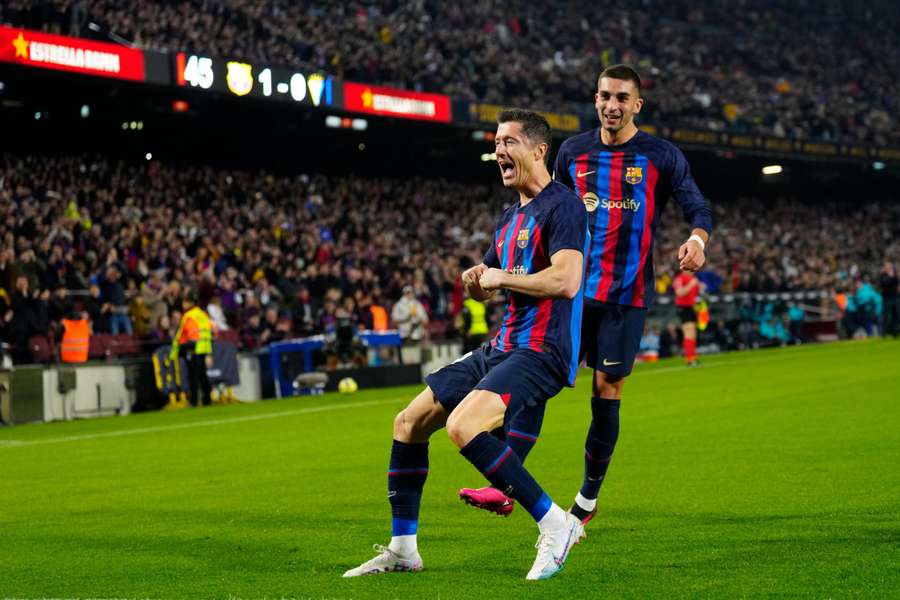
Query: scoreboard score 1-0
point(244, 79)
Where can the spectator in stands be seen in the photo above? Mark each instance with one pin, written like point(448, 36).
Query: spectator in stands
point(252, 331)
point(138, 313)
point(97, 310)
point(59, 306)
point(303, 313)
point(409, 317)
point(153, 292)
point(113, 294)
point(216, 314)
point(29, 317)
point(161, 333)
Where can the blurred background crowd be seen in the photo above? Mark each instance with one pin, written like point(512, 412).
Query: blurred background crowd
point(274, 257)
point(803, 69)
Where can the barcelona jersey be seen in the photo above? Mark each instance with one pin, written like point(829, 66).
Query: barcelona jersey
point(525, 239)
point(624, 189)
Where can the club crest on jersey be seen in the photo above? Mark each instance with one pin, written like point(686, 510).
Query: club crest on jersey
point(522, 239)
point(634, 175)
point(239, 78)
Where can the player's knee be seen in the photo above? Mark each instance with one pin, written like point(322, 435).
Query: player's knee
point(406, 426)
point(462, 428)
point(608, 387)
point(458, 429)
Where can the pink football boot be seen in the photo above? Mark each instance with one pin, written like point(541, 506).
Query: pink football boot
point(488, 498)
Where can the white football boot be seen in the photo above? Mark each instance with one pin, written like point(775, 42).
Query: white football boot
point(553, 548)
point(386, 562)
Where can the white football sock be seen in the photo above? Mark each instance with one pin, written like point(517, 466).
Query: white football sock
point(584, 503)
point(553, 520)
point(404, 546)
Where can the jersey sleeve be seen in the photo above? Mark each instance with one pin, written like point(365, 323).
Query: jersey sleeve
point(567, 226)
point(561, 168)
point(686, 193)
point(490, 257)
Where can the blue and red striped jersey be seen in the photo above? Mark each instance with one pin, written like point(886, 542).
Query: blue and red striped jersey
point(524, 241)
point(625, 189)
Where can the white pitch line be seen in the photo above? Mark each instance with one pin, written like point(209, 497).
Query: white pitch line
point(330, 407)
point(210, 423)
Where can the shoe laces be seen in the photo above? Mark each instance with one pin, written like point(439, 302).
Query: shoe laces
point(382, 550)
point(543, 544)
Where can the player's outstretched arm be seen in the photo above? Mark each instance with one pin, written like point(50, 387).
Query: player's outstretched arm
point(470, 279)
point(562, 279)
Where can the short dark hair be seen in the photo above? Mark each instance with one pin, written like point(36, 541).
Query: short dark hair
point(623, 72)
point(534, 126)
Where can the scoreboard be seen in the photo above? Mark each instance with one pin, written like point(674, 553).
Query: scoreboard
point(243, 79)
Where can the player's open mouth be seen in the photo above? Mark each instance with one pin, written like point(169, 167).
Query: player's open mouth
point(507, 168)
point(612, 118)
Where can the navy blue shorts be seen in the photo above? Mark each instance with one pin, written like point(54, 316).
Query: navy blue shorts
point(522, 378)
point(611, 336)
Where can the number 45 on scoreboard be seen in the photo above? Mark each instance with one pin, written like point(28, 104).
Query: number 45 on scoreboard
point(198, 71)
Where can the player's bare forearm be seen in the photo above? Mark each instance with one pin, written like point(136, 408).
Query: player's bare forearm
point(562, 279)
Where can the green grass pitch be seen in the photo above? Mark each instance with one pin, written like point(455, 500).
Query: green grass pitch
point(765, 473)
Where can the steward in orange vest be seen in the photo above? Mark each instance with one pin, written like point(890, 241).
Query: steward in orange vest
point(195, 335)
point(76, 339)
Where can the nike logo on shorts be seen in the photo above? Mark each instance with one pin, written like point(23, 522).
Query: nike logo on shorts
point(607, 363)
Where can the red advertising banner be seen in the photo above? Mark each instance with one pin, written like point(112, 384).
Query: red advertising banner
point(61, 53)
point(391, 102)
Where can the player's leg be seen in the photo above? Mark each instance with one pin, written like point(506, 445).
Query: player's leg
point(610, 347)
point(524, 378)
point(689, 330)
point(602, 436)
point(520, 433)
point(205, 384)
point(408, 467)
point(193, 379)
point(407, 472)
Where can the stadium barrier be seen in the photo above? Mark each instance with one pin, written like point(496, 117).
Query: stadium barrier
point(61, 392)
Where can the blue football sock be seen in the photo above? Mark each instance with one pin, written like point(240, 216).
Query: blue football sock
point(406, 478)
point(500, 465)
point(521, 442)
point(601, 441)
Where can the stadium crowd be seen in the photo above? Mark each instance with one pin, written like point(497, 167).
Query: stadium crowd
point(805, 69)
point(274, 257)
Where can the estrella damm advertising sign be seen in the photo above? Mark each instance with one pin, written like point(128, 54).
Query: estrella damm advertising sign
point(61, 53)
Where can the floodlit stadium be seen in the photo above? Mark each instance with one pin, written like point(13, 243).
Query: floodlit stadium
point(283, 280)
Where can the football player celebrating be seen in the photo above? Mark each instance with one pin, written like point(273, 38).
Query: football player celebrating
point(624, 177)
point(537, 257)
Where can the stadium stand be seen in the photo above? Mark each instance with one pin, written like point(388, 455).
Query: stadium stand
point(299, 255)
point(805, 69)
